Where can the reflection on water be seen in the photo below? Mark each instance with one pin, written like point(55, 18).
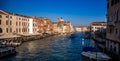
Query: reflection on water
point(56, 48)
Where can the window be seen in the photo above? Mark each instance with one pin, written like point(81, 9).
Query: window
point(6, 22)
point(19, 23)
point(17, 30)
point(0, 16)
point(16, 23)
point(113, 2)
point(10, 22)
point(119, 32)
point(1, 30)
point(116, 31)
point(119, 48)
point(117, 15)
point(0, 22)
point(7, 30)
point(11, 17)
point(6, 16)
point(109, 30)
point(10, 29)
point(19, 18)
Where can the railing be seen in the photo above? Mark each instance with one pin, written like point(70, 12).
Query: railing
point(111, 23)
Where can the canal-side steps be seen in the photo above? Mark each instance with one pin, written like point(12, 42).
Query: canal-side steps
point(6, 50)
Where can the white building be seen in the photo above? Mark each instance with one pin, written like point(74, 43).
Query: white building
point(12, 24)
point(82, 28)
point(62, 26)
point(98, 26)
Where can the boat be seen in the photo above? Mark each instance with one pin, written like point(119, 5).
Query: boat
point(91, 53)
point(6, 50)
point(72, 36)
point(85, 37)
point(96, 55)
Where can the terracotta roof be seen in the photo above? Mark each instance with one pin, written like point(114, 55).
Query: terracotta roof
point(98, 23)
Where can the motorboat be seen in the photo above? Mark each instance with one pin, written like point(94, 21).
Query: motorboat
point(92, 53)
point(96, 55)
point(72, 36)
point(6, 50)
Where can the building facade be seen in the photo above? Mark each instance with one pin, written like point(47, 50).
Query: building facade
point(12, 24)
point(62, 26)
point(98, 26)
point(55, 28)
point(44, 25)
point(82, 28)
point(113, 26)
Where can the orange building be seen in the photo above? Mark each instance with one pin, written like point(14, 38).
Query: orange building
point(44, 25)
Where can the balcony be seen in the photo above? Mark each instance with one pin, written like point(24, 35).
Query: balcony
point(110, 24)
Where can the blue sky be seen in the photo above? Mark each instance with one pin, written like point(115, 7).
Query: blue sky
point(78, 12)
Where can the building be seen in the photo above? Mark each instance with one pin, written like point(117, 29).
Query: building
point(13, 24)
point(62, 26)
point(44, 25)
point(113, 26)
point(98, 26)
point(82, 28)
point(55, 28)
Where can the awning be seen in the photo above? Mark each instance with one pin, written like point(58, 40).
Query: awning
point(31, 34)
point(11, 36)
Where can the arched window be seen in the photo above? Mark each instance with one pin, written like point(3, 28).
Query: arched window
point(0, 22)
point(10, 22)
point(0, 16)
point(0, 30)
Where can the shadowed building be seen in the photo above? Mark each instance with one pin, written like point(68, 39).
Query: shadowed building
point(113, 26)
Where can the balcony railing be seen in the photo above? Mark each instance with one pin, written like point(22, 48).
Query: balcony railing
point(110, 24)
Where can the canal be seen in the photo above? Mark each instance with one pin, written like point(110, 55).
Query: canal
point(54, 48)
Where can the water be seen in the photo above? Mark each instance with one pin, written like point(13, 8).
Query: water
point(55, 48)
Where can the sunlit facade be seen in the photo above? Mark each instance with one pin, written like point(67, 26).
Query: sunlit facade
point(82, 28)
point(98, 26)
point(14, 24)
point(44, 25)
point(63, 26)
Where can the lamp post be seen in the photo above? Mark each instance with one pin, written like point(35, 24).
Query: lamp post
point(96, 50)
point(82, 43)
